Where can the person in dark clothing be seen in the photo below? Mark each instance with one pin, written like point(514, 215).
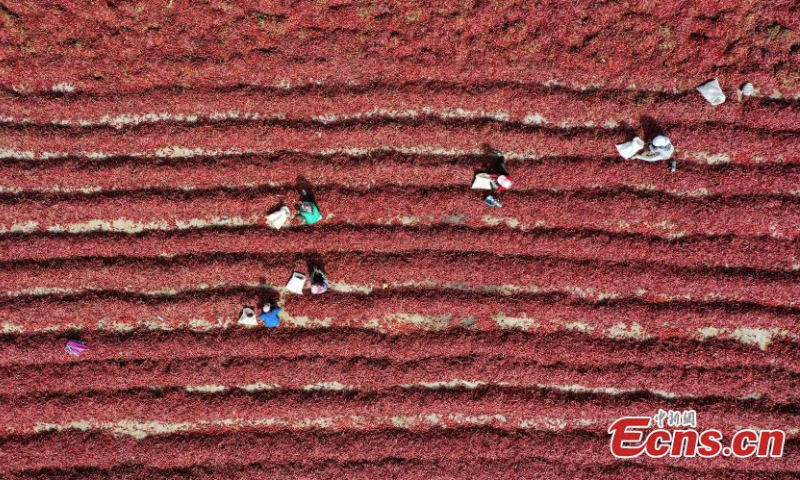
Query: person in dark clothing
point(500, 163)
point(319, 281)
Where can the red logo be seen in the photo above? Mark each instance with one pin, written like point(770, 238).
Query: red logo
point(632, 437)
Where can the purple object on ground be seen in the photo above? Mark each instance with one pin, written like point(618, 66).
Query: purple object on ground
point(76, 347)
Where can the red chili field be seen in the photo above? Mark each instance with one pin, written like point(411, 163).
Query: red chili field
point(142, 144)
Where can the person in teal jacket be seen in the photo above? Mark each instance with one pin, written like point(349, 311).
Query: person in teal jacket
point(309, 209)
point(310, 212)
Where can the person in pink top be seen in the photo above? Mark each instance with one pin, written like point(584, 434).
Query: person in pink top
point(319, 281)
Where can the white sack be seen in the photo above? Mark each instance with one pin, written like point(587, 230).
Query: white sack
point(629, 149)
point(296, 283)
point(712, 92)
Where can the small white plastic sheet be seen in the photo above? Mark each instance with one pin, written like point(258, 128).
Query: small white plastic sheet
point(712, 92)
point(278, 218)
point(248, 317)
point(483, 181)
point(296, 283)
point(628, 149)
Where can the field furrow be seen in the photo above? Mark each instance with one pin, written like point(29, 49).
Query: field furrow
point(222, 374)
point(366, 272)
point(45, 348)
point(84, 177)
point(97, 450)
point(411, 309)
point(610, 210)
point(53, 249)
point(206, 405)
point(509, 103)
point(524, 467)
point(711, 145)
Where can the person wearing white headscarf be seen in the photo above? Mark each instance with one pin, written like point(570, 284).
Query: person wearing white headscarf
point(660, 148)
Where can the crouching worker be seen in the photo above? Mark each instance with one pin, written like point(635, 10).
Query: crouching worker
point(319, 281)
point(309, 210)
point(269, 315)
point(659, 149)
point(496, 180)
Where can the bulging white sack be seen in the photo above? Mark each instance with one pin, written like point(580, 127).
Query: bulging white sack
point(482, 182)
point(629, 149)
point(278, 218)
point(248, 317)
point(296, 283)
point(712, 92)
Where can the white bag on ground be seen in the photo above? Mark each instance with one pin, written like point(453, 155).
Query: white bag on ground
point(278, 218)
point(296, 283)
point(712, 92)
point(248, 317)
point(629, 149)
point(483, 181)
point(747, 90)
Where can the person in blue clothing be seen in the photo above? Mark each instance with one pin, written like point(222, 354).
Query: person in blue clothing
point(269, 315)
